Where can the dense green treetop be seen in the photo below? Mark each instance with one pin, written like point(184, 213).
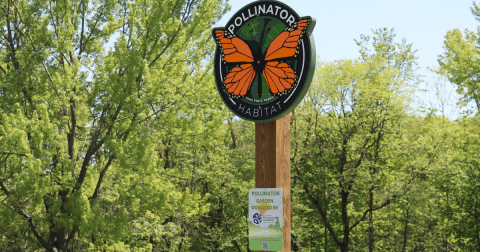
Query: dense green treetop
point(81, 121)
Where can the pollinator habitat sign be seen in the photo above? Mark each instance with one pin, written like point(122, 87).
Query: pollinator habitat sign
point(264, 61)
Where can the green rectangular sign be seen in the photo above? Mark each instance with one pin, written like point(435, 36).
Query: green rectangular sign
point(265, 221)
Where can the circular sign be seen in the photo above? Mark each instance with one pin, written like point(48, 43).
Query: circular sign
point(264, 61)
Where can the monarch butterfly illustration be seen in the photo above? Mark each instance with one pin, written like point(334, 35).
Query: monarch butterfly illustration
point(278, 74)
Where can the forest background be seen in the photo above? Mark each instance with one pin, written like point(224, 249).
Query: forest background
point(129, 148)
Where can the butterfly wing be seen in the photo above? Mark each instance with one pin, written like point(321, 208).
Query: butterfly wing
point(239, 80)
point(285, 45)
point(280, 77)
point(234, 50)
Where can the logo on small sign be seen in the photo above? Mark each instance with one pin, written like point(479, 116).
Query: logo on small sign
point(257, 218)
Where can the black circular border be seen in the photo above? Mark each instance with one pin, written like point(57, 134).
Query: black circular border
point(239, 107)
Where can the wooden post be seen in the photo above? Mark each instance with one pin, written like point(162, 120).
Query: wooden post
point(272, 165)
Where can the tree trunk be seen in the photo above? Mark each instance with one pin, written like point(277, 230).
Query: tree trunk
point(370, 222)
point(325, 204)
point(477, 229)
point(405, 232)
point(344, 247)
point(59, 238)
point(446, 232)
point(346, 225)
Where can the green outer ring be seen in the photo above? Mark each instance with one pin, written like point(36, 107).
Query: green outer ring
point(309, 74)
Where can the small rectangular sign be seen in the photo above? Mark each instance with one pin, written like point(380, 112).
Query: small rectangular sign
point(265, 219)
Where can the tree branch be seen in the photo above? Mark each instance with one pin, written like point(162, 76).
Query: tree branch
point(51, 80)
point(4, 189)
point(164, 49)
point(386, 203)
point(71, 134)
point(35, 231)
point(100, 179)
point(94, 146)
point(11, 153)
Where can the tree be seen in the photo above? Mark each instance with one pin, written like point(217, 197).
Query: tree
point(81, 118)
point(230, 175)
point(464, 209)
point(460, 62)
point(401, 58)
point(352, 116)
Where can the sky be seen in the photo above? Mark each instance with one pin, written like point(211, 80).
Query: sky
point(424, 23)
